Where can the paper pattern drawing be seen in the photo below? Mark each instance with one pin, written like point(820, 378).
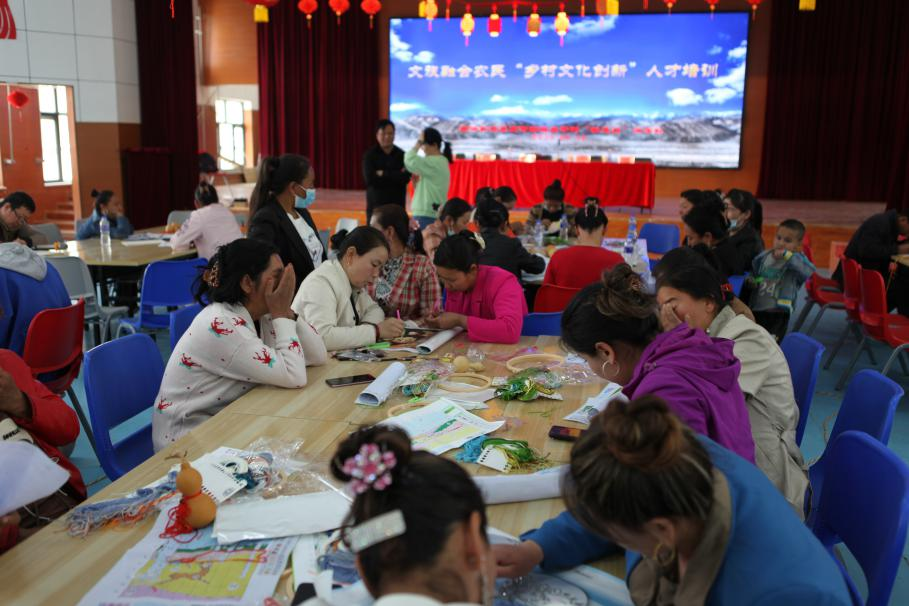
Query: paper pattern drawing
point(442, 426)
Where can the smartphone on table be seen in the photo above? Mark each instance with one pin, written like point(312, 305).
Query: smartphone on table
point(353, 380)
point(566, 434)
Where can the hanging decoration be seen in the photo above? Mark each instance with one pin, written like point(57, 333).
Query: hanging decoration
point(467, 25)
point(371, 8)
point(754, 6)
point(514, 12)
point(607, 7)
point(173, 13)
point(495, 23)
point(712, 4)
point(804, 5)
point(669, 4)
point(7, 23)
point(447, 10)
point(339, 7)
point(561, 24)
point(533, 23)
point(583, 8)
point(308, 7)
point(17, 99)
point(646, 5)
point(431, 11)
point(260, 9)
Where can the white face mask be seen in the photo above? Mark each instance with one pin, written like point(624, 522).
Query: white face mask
point(733, 223)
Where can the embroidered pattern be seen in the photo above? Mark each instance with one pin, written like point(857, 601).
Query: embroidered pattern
point(217, 327)
point(239, 322)
point(295, 346)
point(187, 362)
point(265, 358)
point(163, 404)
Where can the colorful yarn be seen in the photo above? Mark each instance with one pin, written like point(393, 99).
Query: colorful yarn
point(124, 511)
point(471, 450)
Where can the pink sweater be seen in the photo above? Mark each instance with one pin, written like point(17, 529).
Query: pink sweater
point(495, 307)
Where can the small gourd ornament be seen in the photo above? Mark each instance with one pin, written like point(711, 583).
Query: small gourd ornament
point(196, 509)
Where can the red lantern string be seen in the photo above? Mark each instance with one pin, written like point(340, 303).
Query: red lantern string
point(754, 6)
point(514, 12)
point(712, 4)
point(371, 8)
point(308, 7)
point(447, 10)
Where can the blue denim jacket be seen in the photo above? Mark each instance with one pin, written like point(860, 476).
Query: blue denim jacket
point(121, 228)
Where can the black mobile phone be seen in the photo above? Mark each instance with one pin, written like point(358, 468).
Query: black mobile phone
point(566, 434)
point(354, 380)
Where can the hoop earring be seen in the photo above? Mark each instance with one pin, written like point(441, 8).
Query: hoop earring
point(663, 555)
point(618, 369)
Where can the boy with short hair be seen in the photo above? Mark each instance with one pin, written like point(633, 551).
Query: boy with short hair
point(778, 274)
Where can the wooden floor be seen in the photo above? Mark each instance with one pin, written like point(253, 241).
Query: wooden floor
point(827, 222)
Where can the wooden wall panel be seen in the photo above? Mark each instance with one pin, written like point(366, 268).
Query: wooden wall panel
point(229, 42)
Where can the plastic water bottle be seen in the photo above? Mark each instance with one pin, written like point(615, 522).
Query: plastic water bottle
point(538, 234)
point(630, 240)
point(633, 228)
point(104, 227)
point(563, 228)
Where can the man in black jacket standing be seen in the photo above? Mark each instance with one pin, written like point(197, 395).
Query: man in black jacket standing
point(383, 170)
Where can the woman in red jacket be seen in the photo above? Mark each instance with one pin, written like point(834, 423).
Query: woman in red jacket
point(584, 263)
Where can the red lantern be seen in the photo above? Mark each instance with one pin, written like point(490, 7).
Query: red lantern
point(494, 23)
point(607, 7)
point(339, 7)
point(17, 99)
point(561, 24)
point(514, 12)
point(467, 25)
point(669, 4)
point(432, 11)
point(712, 4)
point(447, 10)
point(583, 7)
point(533, 23)
point(308, 7)
point(260, 12)
point(754, 6)
point(371, 8)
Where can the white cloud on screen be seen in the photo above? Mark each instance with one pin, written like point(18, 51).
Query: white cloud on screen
point(424, 57)
point(552, 99)
point(400, 50)
point(735, 79)
point(683, 96)
point(405, 107)
point(739, 52)
point(498, 98)
point(716, 49)
point(719, 95)
point(507, 110)
point(583, 29)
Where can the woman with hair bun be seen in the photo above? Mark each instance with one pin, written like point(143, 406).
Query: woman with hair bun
point(417, 525)
point(584, 263)
point(433, 175)
point(710, 527)
point(407, 286)
point(552, 209)
point(209, 227)
point(110, 206)
point(501, 250)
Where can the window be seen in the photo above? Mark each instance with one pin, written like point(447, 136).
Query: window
point(55, 151)
point(229, 114)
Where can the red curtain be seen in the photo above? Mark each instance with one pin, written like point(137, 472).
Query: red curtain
point(167, 92)
point(318, 90)
point(837, 99)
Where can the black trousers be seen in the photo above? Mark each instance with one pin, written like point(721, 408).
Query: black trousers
point(775, 321)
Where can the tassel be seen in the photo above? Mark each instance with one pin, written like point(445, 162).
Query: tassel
point(260, 13)
point(807, 5)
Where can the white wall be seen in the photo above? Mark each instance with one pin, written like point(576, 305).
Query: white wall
point(87, 44)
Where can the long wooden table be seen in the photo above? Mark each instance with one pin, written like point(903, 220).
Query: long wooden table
point(53, 568)
point(119, 255)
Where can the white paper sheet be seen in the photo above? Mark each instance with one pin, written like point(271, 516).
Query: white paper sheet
point(442, 426)
point(474, 397)
point(280, 517)
point(517, 488)
point(217, 482)
point(378, 391)
point(26, 474)
point(438, 340)
point(597, 404)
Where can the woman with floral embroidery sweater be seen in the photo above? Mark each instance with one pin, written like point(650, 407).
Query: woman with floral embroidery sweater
point(245, 337)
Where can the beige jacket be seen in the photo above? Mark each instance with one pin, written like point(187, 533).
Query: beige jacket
point(326, 300)
point(767, 385)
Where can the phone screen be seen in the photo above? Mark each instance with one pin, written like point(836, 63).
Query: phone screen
point(354, 380)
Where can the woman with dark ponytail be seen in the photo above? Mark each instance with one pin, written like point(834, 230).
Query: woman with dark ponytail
point(278, 212)
point(408, 285)
point(432, 173)
point(110, 206)
point(746, 218)
point(501, 250)
point(584, 263)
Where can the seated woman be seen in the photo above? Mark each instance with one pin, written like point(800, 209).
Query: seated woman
point(335, 299)
point(584, 263)
point(509, 199)
point(692, 294)
point(746, 217)
point(487, 302)
point(110, 206)
point(407, 286)
point(706, 225)
point(710, 526)
point(209, 227)
point(550, 212)
point(418, 527)
point(246, 336)
point(500, 250)
point(454, 217)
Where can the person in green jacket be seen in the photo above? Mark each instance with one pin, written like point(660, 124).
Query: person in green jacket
point(432, 175)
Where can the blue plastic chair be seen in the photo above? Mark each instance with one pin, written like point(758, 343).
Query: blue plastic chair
point(180, 321)
point(661, 237)
point(165, 284)
point(865, 504)
point(537, 324)
point(122, 378)
point(869, 407)
point(804, 357)
point(736, 282)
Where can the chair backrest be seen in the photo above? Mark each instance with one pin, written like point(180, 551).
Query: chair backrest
point(169, 283)
point(178, 216)
point(552, 298)
point(864, 503)
point(661, 237)
point(241, 218)
point(537, 324)
point(122, 378)
point(869, 405)
point(49, 231)
point(852, 286)
point(180, 321)
point(803, 355)
point(346, 223)
point(873, 307)
point(736, 282)
point(54, 340)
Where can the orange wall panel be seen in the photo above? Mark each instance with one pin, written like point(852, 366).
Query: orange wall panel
point(229, 42)
point(100, 148)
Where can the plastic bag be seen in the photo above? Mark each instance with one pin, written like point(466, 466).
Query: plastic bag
point(422, 376)
point(529, 384)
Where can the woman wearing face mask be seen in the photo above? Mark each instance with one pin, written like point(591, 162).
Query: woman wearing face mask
point(454, 218)
point(433, 172)
point(710, 527)
point(418, 528)
point(278, 211)
point(746, 216)
point(334, 298)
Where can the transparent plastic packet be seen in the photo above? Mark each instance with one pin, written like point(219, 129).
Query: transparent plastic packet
point(422, 375)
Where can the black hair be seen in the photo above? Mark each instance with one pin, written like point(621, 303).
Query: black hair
point(433, 494)
point(554, 191)
point(686, 270)
point(275, 174)
point(705, 220)
point(206, 194)
point(484, 194)
point(591, 218)
point(745, 201)
point(20, 199)
point(460, 251)
point(491, 214)
point(433, 137)
point(709, 198)
point(207, 163)
point(796, 226)
point(617, 310)
point(505, 194)
point(693, 195)
point(381, 124)
point(101, 198)
point(394, 216)
point(220, 281)
point(454, 208)
point(362, 239)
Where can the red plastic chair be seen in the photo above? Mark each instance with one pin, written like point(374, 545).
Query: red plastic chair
point(53, 346)
point(820, 291)
point(878, 323)
point(852, 297)
point(551, 298)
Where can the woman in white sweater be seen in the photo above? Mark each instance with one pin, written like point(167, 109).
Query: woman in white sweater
point(334, 298)
point(246, 336)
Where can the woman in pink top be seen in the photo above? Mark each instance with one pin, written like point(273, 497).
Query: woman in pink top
point(209, 227)
point(486, 301)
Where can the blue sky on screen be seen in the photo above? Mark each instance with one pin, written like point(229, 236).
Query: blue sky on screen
point(636, 41)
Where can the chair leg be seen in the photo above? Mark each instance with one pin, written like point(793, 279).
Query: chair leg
point(82, 418)
point(817, 319)
point(803, 315)
point(848, 371)
point(903, 363)
point(839, 344)
point(123, 327)
point(871, 358)
point(894, 356)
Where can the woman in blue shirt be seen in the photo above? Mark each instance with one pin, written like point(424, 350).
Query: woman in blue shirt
point(110, 206)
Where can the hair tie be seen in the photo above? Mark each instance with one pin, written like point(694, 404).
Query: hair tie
point(212, 275)
point(411, 238)
point(370, 468)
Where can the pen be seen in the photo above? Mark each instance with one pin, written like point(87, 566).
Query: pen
point(398, 313)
